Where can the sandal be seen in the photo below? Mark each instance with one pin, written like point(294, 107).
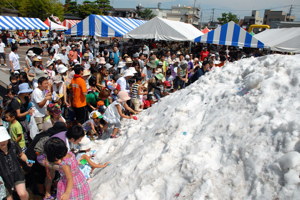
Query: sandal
point(113, 136)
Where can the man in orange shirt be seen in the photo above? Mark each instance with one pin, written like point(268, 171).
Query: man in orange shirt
point(223, 60)
point(79, 92)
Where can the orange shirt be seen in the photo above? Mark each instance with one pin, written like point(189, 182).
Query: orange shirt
point(73, 55)
point(78, 87)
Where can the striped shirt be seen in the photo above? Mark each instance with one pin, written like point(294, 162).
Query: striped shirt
point(135, 91)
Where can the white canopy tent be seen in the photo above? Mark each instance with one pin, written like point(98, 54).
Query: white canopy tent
point(54, 26)
point(163, 29)
point(283, 39)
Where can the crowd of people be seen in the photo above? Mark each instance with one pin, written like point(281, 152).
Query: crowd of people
point(54, 109)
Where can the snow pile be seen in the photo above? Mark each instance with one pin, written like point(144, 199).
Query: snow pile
point(234, 134)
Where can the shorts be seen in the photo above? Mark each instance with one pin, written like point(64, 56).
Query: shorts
point(71, 115)
point(117, 125)
point(81, 114)
point(2, 55)
point(178, 83)
point(136, 103)
point(39, 122)
point(9, 190)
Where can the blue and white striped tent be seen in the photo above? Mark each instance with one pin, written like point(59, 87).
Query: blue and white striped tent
point(232, 35)
point(21, 23)
point(104, 26)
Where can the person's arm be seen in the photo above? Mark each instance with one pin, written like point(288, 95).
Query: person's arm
point(83, 88)
point(121, 114)
point(27, 64)
point(11, 66)
point(42, 103)
point(186, 75)
point(129, 109)
point(93, 127)
point(24, 158)
point(65, 95)
point(68, 173)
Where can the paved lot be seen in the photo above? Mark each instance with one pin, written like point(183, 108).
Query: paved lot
point(4, 71)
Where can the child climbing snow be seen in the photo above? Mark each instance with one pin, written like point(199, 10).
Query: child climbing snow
point(114, 113)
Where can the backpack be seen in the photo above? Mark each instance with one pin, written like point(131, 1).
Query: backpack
point(7, 104)
point(39, 147)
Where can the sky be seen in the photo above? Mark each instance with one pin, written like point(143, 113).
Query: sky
point(239, 7)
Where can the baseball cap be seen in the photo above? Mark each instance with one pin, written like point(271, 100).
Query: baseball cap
point(167, 83)
point(97, 115)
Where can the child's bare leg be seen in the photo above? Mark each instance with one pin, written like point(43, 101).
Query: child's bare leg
point(21, 190)
point(115, 131)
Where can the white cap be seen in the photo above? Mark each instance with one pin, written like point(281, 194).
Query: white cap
point(187, 57)
point(4, 134)
point(58, 58)
point(62, 69)
point(39, 57)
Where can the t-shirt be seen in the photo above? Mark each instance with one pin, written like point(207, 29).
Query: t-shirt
point(87, 126)
point(2, 46)
point(16, 104)
point(73, 55)
point(115, 56)
point(15, 60)
point(38, 96)
point(15, 130)
point(78, 87)
point(91, 98)
point(204, 54)
point(56, 47)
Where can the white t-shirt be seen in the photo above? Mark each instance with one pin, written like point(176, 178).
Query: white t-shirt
point(56, 47)
point(64, 58)
point(2, 46)
point(38, 96)
point(15, 60)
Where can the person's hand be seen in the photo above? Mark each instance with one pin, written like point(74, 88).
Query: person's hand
point(48, 97)
point(65, 196)
point(29, 164)
point(30, 111)
point(67, 104)
point(106, 164)
point(130, 117)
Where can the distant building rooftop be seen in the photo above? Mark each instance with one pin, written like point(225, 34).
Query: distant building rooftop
point(71, 16)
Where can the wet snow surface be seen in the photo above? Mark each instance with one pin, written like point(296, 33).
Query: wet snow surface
point(241, 142)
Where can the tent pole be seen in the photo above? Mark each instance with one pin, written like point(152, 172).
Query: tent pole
point(121, 53)
point(190, 49)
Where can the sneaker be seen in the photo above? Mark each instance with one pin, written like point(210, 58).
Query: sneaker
point(113, 136)
point(5, 65)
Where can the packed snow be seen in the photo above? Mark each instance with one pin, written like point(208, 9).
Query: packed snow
point(233, 134)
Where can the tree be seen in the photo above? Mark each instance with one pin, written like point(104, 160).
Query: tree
point(146, 14)
point(41, 8)
point(86, 9)
point(104, 5)
point(227, 17)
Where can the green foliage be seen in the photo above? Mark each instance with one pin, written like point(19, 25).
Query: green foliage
point(104, 5)
point(41, 8)
point(146, 14)
point(85, 10)
point(10, 4)
point(227, 17)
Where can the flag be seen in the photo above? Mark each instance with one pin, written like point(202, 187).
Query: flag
point(56, 19)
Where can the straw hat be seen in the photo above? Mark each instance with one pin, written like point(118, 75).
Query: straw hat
point(49, 63)
point(57, 79)
point(123, 96)
point(159, 70)
point(159, 76)
point(108, 66)
point(86, 55)
point(128, 60)
point(4, 134)
point(86, 73)
point(63, 48)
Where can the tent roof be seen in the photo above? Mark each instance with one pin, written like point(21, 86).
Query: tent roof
point(54, 26)
point(230, 34)
point(69, 23)
point(283, 39)
point(163, 29)
point(206, 30)
point(21, 23)
point(104, 26)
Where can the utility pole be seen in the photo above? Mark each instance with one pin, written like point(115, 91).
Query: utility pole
point(213, 14)
point(194, 7)
point(201, 21)
point(290, 13)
